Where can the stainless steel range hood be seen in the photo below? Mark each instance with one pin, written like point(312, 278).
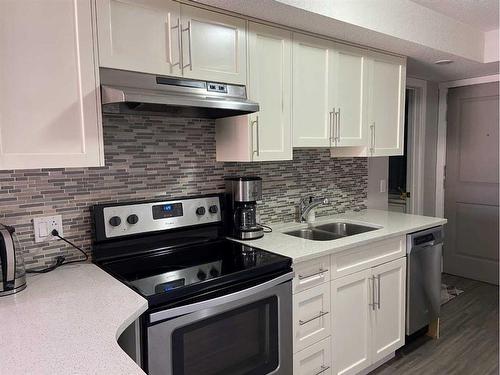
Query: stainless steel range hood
point(180, 96)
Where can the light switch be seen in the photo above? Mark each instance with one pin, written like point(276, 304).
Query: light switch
point(42, 229)
point(383, 186)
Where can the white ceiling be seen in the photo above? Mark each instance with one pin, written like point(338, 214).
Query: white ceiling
point(480, 14)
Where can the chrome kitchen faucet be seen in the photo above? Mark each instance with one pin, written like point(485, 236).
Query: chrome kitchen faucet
point(307, 204)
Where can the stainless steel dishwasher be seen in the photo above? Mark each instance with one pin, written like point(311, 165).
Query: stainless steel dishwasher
point(423, 284)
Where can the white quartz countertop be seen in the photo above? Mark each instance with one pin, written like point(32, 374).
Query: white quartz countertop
point(67, 322)
point(390, 224)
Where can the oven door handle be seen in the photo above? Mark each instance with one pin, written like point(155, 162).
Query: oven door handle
point(182, 310)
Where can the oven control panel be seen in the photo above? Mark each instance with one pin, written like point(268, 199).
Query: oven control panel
point(136, 218)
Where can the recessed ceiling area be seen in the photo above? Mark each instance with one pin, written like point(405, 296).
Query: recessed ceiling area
point(404, 27)
point(480, 14)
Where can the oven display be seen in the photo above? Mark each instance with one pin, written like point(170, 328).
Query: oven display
point(164, 211)
point(169, 285)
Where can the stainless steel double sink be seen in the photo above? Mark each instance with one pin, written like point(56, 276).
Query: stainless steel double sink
point(331, 231)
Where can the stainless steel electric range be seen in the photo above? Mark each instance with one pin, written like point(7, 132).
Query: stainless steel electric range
point(216, 307)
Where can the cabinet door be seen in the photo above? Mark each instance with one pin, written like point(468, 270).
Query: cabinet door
point(269, 84)
point(351, 97)
point(388, 317)
point(387, 101)
point(213, 46)
point(311, 316)
point(312, 91)
point(49, 107)
point(139, 35)
point(351, 299)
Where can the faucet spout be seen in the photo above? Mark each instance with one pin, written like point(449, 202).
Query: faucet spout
point(309, 203)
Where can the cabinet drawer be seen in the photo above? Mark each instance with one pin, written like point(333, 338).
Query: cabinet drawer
point(366, 256)
point(311, 273)
point(311, 316)
point(314, 360)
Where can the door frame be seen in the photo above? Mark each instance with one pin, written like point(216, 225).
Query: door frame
point(417, 112)
point(441, 136)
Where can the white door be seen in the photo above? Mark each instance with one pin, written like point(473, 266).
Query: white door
point(312, 109)
point(388, 314)
point(351, 299)
point(269, 84)
point(386, 105)
point(350, 96)
point(472, 182)
point(139, 35)
point(49, 97)
point(213, 46)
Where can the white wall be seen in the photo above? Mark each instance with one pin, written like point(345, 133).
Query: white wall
point(378, 169)
point(431, 132)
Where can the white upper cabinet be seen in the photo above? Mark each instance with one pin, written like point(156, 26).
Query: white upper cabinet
point(165, 37)
point(139, 35)
point(312, 105)
point(386, 105)
point(270, 73)
point(350, 96)
point(382, 124)
point(213, 46)
point(49, 105)
point(267, 134)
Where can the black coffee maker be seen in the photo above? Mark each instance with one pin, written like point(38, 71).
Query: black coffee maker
point(242, 194)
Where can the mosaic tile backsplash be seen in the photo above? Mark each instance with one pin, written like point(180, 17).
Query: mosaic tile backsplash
point(158, 157)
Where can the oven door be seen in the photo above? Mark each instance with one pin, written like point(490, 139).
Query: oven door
point(248, 332)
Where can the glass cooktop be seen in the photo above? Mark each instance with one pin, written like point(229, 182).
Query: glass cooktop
point(180, 272)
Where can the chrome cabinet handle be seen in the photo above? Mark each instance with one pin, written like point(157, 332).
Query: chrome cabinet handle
point(256, 123)
point(372, 138)
point(332, 125)
point(321, 313)
point(373, 293)
point(188, 29)
point(322, 369)
point(378, 298)
point(321, 271)
point(170, 28)
point(179, 41)
point(338, 124)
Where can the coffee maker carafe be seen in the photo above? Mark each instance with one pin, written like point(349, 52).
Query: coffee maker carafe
point(242, 196)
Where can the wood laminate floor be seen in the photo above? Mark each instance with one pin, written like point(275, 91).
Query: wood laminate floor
point(469, 337)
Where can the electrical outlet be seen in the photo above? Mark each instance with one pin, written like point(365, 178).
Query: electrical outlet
point(43, 227)
point(383, 186)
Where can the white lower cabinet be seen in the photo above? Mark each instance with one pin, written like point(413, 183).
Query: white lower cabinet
point(311, 318)
point(368, 312)
point(349, 309)
point(388, 316)
point(314, 360)
point(351, 296)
